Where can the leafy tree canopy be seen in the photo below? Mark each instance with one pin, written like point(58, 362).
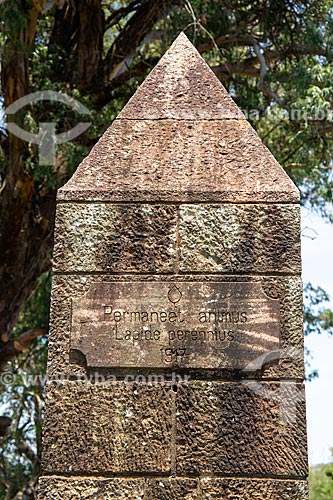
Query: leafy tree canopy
point(321, 482)
point(275, 59)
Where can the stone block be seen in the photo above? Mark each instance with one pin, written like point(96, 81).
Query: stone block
point(99, 488)
point(250, 428)
point(252, 489)
point(115, 238)
point(240, 239)
point(291, 362)
point(86, 488)
point(172, 489)
point(180, 161)
point(107, 427)
point(181, 87)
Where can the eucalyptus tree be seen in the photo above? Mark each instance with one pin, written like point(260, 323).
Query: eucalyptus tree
point(275, 59)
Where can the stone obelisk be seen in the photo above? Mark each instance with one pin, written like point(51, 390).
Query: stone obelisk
point(176, 322)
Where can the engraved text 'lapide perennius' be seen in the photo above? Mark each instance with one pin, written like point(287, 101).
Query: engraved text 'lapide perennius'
point(163, 324)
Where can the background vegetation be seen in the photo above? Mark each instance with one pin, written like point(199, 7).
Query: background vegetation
point(321, 482)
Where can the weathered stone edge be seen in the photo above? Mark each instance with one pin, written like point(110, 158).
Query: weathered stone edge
point(141, 196)
point(199, 488)
point(63, 453)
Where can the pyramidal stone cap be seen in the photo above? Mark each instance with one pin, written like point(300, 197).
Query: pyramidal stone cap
point(180, 138)
point(181, 87)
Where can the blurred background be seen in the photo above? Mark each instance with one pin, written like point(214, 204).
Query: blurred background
point(273, 56)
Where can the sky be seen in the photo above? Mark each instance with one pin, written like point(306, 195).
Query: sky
point(318, 269)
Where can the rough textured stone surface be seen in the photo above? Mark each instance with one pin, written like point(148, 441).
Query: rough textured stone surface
point(119, 238)
point(240, 238)
point(172, 160)
point(252, 489)
point(57, 488)
point(180, 138)
point(288, 289)
point(290, 292)
point(84, 488)
point(181, 87)
point(213, 238)
point(172, 489)
point(247, 428)
point(179, 189)
point(104, 427)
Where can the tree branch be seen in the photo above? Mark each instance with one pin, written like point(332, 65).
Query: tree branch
point(11, 348)
point(5, 422)
point(131, 37)
point(103, 96)
point(263, 72)
point(236, 40)
point(297, 51)
point(79, 40)
point(255, 67)
point(225, 71)
point(116, 16)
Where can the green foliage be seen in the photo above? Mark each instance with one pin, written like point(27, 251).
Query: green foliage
point(296, 126)
point(305, 149)
point(321, 482)
point(36, 311)
point(21, 387)
point(317, 319)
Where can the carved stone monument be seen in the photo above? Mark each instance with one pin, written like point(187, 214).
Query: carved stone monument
point(177, 307)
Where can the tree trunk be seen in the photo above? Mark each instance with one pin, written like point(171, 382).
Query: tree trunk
point(26, 219)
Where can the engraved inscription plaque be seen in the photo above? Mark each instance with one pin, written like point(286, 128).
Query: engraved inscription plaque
point(168, 324)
